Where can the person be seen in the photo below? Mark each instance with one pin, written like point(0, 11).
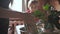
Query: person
point(53, 18)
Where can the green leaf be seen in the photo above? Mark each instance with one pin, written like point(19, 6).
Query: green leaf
point(46, 7)
point(39, 14)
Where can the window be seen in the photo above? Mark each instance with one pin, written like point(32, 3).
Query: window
point(18, 5)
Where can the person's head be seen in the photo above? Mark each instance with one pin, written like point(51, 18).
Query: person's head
point(5, 3)
point(59, 1)
point(34, 5)
point(54, 2)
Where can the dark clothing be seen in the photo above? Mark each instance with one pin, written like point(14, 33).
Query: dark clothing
point(54, 20)
point(4, 23)
point(4, 3)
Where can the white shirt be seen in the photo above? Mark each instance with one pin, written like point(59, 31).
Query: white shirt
point(18, 28)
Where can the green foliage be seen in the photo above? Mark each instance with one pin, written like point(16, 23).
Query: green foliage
point(46, 7)
point(39, 14)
